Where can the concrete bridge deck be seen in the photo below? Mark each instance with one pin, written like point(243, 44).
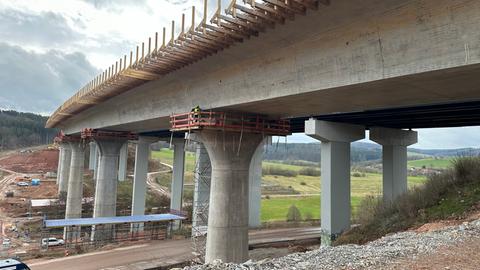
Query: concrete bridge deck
point(381, 65)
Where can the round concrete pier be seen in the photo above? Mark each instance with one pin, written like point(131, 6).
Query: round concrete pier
point(230, 154)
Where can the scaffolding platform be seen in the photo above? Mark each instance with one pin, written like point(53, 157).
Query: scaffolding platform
point(227, 121)
point(107, 134)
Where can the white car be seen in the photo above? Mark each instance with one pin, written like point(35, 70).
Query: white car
point(22, 184)
point(6, 242)
point(52, 241)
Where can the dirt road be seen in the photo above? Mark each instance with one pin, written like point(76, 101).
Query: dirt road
point(154, 186)
point(4, 184)
point(155, 253)
point(121, 258)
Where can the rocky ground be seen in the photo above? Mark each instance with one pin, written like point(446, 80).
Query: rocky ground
point(405, 250)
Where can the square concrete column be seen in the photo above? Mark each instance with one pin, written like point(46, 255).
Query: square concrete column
point(255, 186)
point(122, 163)
point(176, 198)
point(106, 187)
point(142, 155)
point(92, 160)
point(201, 194)
point(75, 188)
point(64, 167)
point(394, 158)
point(335, 179)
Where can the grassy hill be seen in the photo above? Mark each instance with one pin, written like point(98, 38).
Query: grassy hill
point(433, 163)
point(308, 187)
point(303, 190)
point(451, 194)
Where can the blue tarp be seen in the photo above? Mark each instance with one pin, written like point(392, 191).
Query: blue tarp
point(56, 223)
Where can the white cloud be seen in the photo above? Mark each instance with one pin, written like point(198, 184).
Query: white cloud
point(35, 82)
point(58, 46)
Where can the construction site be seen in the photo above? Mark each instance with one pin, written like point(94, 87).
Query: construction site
point(175, 152)
point(33, 214)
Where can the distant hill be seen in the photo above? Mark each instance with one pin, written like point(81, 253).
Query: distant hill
point(19, 129)
point(447, 152)
point(361, 151)
point(311, 152)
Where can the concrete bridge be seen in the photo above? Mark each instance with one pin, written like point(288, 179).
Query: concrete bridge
point(333, 68)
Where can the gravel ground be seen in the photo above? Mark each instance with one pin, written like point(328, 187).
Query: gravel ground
point(374, 255)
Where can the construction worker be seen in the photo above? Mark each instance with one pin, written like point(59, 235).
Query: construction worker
point(196, 113)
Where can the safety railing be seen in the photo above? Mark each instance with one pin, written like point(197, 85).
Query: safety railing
point(229, 121)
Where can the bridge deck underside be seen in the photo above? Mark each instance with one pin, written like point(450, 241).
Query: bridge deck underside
point(432, 116)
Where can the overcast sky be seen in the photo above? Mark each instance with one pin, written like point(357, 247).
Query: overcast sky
point(50, 48)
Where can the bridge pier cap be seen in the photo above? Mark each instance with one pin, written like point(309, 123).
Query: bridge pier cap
point(335, 179)
point(230, 154)
point(390, 136)
point(394, 158)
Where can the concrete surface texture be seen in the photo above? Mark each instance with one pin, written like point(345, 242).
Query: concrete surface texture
point(335, 167)
point(92, 159)
point(122, 163)
point(142, 154)
point(394, 158)
point(60, 158)
point(201, 195)
point(176, 199)
point(380, 54)
point(255, 186)
point(75, 185)
point(64, 161)
point(230, 155)
point(106, 186)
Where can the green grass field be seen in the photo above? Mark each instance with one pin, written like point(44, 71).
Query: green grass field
point(308, 202)
point(432, 163)
point(276, 207)
point(165, 155)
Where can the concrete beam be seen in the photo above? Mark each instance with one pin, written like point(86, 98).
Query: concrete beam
point(394, 158)
point(142, 155)
point(227, 237)
point(122, 163)
point(335, 179)
point(75, 187)
point(176, 199)
point(370, 56)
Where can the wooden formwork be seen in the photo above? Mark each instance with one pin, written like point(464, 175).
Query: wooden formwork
point(151, 60)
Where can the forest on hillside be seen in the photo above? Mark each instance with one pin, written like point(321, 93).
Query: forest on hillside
point(19, 129)
point(311, 152)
